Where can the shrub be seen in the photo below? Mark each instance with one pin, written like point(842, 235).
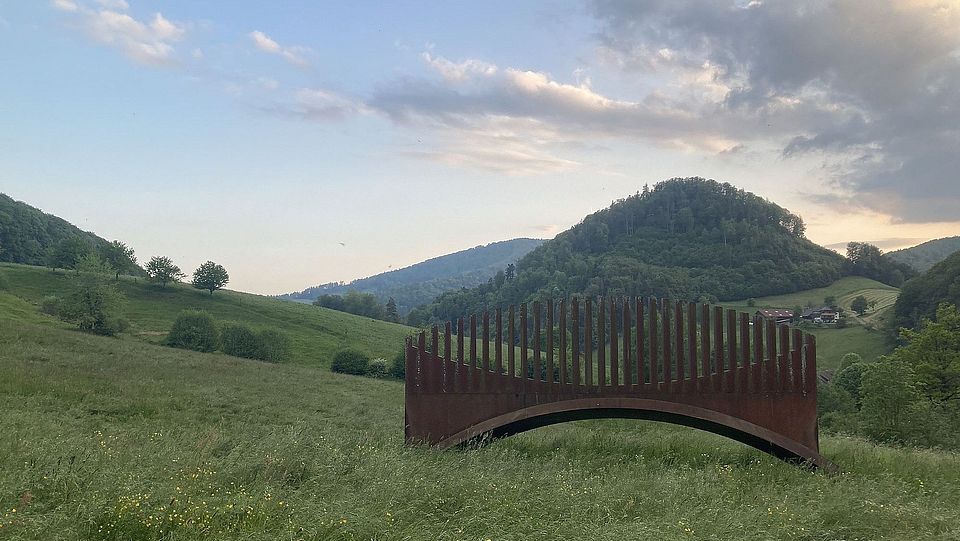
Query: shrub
point(849, 378)
point(398, 366)
point(4, 283)
point(50, 305)
point(195, 330)
point(350, 361)
point(378, 368)
point(238, 340)
point(274, 345)
point(94, 307)
point(850, 358)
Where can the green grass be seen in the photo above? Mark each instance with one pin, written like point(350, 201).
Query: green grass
point(316, 333)
point(119, 439)
point(849, 286)
point(865, 335)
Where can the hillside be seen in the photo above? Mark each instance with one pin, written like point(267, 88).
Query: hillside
point(684, 238)
point(316, 333)
point(27, 234)
point(109, 439)
point(865, 335)
point(418, 284)
point(923, 257)
point(920, 296)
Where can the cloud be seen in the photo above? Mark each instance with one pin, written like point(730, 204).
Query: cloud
point(120, 5)
point(486, 111)
point(313, 104)
point(294, 54)
point(65, 5)
point(149, 42)
point(871, 87)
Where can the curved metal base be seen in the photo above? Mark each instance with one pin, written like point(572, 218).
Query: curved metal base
point(638, 408)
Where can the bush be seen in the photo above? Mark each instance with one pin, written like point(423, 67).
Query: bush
point(4, 283)
point(194, 330)
point(849, 378)
point(274, 346)
point(350, 361)
point(378, 368)
point(238, 340)
point(94, 307)
point(398, 366)
point(850, 358)
point(50, 305)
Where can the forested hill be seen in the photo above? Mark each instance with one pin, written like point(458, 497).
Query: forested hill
point(418, 284)
point(920, 296)
point(31, 236)
point(684, 238)
point(924, 256)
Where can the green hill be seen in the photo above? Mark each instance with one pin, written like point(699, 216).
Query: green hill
point(28, 235)
point(684, 238)
point(107, 439)
point(923, 257)
point(418, 284)
point(316, 333)
point(922, 294)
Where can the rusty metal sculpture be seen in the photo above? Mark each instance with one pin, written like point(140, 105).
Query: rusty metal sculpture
point(683, 363)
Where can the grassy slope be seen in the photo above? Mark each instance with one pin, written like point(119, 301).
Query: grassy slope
point(316, 333)
point(833, 343)
point(118, 439)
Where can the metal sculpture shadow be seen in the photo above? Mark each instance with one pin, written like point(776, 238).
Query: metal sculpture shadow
point(683, 363)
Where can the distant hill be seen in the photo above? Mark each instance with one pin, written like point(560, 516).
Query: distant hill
point(684, 238)
point(920, 296)
point(419, 284)
point(27, 234)
point(924, 256)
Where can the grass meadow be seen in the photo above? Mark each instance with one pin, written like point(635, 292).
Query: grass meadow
point(316, 333)
point(118, 439)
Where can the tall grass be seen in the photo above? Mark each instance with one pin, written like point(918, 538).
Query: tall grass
point(117, 439)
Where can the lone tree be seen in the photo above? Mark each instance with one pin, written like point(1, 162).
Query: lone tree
point(121, 257)
point(210, 276)
point(391, 311)
point(859, 305)
point(161, 269)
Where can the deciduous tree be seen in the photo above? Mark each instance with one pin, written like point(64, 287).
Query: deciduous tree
point(161, 269)
point(210, 276)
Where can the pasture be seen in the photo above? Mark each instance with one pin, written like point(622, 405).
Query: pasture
point(109, 438)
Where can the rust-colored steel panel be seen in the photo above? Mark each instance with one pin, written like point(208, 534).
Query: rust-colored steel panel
point(451, 402)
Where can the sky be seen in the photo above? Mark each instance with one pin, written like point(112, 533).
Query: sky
point(302, 142)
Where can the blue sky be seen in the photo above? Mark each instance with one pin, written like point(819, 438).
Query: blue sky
point(263, 135)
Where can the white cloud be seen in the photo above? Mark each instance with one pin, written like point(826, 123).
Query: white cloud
point(458, 71)
point(148, 42)
point(66, 5)
point(525, 122)
point(295, 54)
point(144, 42)
point(120, 5)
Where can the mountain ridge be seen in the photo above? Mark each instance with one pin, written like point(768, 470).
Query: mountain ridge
point(924, 256)
point(419, 283)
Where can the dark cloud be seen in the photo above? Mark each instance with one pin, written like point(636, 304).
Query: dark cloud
point(872, 85)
